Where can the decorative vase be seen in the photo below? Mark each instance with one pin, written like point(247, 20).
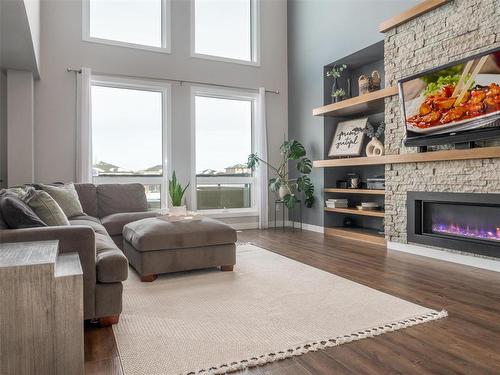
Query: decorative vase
point(349, 88)
point(375, 148)
point(283, 191)
point(178, 210)
point(335, 86)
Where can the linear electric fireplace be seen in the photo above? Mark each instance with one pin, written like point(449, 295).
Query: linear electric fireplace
point(461, 221)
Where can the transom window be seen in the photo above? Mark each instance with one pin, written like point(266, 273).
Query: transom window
point(223, 131)
point(226, 30)
point(134, 23)
point(129, 135)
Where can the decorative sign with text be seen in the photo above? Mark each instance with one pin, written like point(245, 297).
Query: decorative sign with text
point(348, 138)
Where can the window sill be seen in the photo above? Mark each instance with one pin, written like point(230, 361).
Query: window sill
point(117, 43)
point(225, 59)
point(216, 214)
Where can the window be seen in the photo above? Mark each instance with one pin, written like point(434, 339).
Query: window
point(134, 23)
point(223, 131)
point(225, 30)
point(129, 135)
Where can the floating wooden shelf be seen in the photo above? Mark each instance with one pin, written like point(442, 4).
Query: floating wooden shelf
point(359, 234)
point(355, 211)
point(421, 8)
point(371, 102)
point(473, 153)
point(355, 191)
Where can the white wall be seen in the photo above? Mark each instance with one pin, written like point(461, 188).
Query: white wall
point(33, 14)
point(20, 127)
point(62, 47)
point(19, 35)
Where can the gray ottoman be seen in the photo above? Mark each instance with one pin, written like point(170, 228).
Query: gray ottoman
point(154, 246)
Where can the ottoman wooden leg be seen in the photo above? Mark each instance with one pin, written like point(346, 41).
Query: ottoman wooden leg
point(107, 321)
point(148, 278)
point(227, 268)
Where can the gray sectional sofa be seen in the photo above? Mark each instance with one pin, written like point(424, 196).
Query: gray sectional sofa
point(97, 238)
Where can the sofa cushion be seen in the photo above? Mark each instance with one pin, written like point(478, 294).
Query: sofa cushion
point(111, 264)
point(98, 228)
point(45, 207)
point(114, 223)
point(159, 234)
point(87, 217)
point(115, 198)
point(87, 194)
point(16, 214)
point(66, 197)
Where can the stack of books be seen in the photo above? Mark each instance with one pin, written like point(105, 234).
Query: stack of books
point(336, 203)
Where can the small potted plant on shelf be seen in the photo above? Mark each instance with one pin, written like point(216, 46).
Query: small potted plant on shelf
point(286, 187)
point(335, 72)
point(176, 192)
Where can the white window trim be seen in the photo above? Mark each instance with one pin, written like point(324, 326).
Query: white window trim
point(166, 25)
point(146, 85)
point(223, 94)
point(255, 39)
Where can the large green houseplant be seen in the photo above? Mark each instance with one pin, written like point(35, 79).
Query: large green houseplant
point(291, 151)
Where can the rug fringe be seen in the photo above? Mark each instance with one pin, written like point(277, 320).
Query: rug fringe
point(321, 345)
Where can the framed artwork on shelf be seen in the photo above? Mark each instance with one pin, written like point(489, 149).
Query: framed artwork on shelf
point(348, 138)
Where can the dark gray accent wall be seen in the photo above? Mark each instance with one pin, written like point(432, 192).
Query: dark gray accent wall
point(319, 32)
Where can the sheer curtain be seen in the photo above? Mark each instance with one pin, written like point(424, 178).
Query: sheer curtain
point(261, 150)
point(83, 126)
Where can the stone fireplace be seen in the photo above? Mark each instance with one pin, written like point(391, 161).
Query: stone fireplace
point(455, 30)
point(459, 221)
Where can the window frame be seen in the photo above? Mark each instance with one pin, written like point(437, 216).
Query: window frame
point(166, 27)
point(218, 93)
point(144, 85)
point(255, 39)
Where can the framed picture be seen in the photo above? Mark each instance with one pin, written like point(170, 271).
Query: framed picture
point(348, 139)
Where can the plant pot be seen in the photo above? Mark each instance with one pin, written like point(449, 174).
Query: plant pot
point(375, 148)
point(283, 191)
point(178, 210)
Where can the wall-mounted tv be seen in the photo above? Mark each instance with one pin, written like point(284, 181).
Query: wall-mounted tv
point(454, 103)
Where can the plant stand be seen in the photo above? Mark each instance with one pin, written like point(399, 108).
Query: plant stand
point(280, 201)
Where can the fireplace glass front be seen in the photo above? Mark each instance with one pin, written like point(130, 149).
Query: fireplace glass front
point(461, 220)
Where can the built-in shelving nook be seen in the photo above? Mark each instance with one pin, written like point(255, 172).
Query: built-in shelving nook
point(366, 226)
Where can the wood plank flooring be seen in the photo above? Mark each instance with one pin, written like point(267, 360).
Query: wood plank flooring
point(467, 342)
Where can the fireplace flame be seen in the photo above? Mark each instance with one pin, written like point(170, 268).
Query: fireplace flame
point(477, 233)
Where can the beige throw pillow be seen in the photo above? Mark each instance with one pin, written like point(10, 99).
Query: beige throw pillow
point(66, 197)
point(45, 207)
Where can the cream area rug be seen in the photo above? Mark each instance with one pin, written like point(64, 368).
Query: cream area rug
point(269, 308)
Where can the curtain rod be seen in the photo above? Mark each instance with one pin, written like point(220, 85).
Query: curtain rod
point(174, 80)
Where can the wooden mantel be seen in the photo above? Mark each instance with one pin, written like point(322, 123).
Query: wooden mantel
point(419, 9)
point(431, 156)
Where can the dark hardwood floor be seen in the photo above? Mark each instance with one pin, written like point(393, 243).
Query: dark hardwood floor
point(466, 342)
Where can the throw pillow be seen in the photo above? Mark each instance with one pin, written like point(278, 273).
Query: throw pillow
point(66, 197)
point(16, 214)
point(45, 207)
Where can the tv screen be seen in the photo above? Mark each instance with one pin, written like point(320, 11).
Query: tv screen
point(455, 103)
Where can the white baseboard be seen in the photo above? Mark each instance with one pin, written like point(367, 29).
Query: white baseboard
point(288, 223)
point(468, 260)
point(244, 226)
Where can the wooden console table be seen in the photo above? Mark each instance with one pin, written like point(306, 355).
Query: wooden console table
point(41, 310)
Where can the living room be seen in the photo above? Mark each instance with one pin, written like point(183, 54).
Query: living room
point(249, 186)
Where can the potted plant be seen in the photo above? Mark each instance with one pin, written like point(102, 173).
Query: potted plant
point(335, 72)
point(286, 187)
point(176, 192)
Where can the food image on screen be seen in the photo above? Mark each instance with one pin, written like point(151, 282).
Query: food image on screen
point(461, 97)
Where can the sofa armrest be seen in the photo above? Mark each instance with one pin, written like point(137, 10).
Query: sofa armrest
point(75, 238)
point(72, 239)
